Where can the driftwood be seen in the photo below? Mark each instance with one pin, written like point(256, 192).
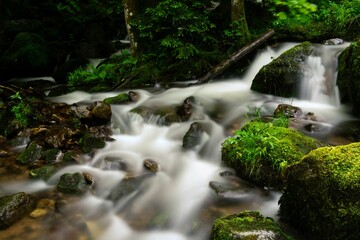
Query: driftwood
point(235, 57)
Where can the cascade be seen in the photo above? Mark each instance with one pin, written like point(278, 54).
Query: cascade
point(318, 83)
point(177, 203)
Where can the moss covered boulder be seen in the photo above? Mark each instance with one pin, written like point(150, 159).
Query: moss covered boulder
point(323, 193)
point(32, 152)
point(260, 152)
point(14, 207)
point(249, 225)
point(349, 75)
point(74, 183)
point(282, 75)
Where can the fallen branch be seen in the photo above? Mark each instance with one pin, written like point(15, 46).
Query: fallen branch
point(235, 57)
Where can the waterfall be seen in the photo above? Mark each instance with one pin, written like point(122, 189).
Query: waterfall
point(318, 83)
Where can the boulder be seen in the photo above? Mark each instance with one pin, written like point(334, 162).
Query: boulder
point(32, 152)
point(287, 110)
point(261, 152)
point(75, 183)
point(247, 225)
point(323, 191)
point(281, 77)
point(14, 207)
point(193, 136)
point(348, 76)
point(44, 172)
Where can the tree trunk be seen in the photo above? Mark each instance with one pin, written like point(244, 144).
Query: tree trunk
point(238, 15)
point(131, 10)
point(233, 58)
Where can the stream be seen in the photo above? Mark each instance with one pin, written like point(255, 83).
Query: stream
point(177, 202)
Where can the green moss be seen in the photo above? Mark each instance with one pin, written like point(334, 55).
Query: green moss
point(323, 192)
point(118, 99)
point(349, 74)
point(246, 225)
point(44, 172)
point(88, 143)
point(281, 76)
point(261, 152)
point(32, 153)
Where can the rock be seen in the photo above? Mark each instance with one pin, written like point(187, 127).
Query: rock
point(52, 156)
point(185, 110)
point(166, 114)
point(88, 143)
point(72, 183)
point(123, 98)
point(323, 191)
point(100, 113)
point(193, 136)
point(39, 212)
point(334, 41)
point(14, 207)
point(32, 152)
point(233, 188)
point(261, 152)
point(90, 180)
point(28, 55)
point(44, 172)
point(128, 186)
point(348, 75)
point(151, 165)
point(247, 225)
point(281, 77)
point(287, 110)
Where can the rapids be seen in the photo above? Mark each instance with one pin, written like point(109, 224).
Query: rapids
point(177, 202)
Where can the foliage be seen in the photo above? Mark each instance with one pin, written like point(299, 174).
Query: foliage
point(340, 17)
point(21, 110)
point(298, 10)
point(260, 151)
point(172, 33)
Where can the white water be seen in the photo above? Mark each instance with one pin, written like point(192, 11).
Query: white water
point(179, 192)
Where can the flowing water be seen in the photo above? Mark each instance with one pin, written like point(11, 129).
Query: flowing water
point(177, 202)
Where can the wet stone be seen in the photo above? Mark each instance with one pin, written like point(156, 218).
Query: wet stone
point(151, 165)
point(32, 153)
point(14, 207)
point(193, 136)
point(44, 172)
point(72, 183)
point(39, 212)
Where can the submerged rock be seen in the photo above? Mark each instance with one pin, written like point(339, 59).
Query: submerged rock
point(167, 114)
point(193, 136)
point(323, 191)
point(247, 225)
point(151, 165)
point(14, 207)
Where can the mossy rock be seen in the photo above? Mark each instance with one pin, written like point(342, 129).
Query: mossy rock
point(121, 98)
point(323, 193)
point(281, 77)
point(72, 183)
point(28, 49)
point(14, 207)
point(88, 143)
point(349, 75)
point(247, 225)
point(53, 155)
point(44, 172)
point(260, 152)
point(31, 153)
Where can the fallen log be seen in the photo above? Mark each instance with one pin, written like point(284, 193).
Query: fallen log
point(235, 57)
